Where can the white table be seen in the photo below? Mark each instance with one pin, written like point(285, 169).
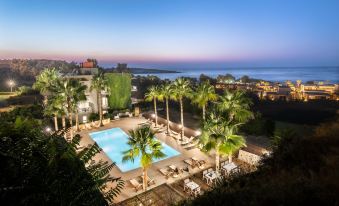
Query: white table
point(192, 185)
point(211, 176)
point(229, 167)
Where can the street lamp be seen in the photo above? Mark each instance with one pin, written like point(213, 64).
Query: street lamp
point(11, 84)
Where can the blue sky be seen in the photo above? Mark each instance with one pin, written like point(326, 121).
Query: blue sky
point(172, 34)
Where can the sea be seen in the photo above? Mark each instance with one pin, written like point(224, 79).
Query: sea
point(275, 74)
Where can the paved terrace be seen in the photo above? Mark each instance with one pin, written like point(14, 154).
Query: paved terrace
point(127, 124)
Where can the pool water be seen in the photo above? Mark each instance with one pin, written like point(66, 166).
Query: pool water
point(114, 143)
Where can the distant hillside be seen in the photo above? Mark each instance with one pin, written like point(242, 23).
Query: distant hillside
point(23, 71)
point(141, 71)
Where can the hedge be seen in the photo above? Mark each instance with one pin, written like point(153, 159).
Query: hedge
point(120, 90)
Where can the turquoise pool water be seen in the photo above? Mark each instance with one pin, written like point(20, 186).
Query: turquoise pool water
point(114, 142)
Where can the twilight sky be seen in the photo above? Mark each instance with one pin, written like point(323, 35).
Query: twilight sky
point(173, 33)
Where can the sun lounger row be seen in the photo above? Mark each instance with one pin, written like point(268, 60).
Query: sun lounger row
point(194, 162)
point(125, 114)
point(172, 171)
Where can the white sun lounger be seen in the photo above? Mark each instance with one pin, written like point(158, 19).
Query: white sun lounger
point(165, 172)
point(193, 144)
point(173, 132)
point(189, 162)
point(150, 181)
point(187, 140)
point(135, 184)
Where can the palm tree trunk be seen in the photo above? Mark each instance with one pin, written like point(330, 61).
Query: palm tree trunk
point(155, 112)
point(182, 119)
point(144, 181)
point(77, 121)
point(230, 158)
point(99, 107)
point(63, 120)
point(167, 115)
point(71, 124)
point(217, 161)
point(56, 122)
point(203, 112)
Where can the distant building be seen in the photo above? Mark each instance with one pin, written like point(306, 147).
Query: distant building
point(90, 105)
point(88, 68)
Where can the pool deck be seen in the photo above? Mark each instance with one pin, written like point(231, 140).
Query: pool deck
point(127, 124)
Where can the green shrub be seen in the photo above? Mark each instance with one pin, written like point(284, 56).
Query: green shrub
point(120, 90)
point(93, 117)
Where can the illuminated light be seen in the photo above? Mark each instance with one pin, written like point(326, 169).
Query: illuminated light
point(198, 132)
point(48, 129)
point(153, 115)
point(180, 126)
point(11, 84)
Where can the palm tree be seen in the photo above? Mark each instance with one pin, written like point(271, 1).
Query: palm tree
point(236, 105)
point(202, 95)
point(154, 94)
point(181, 89)
point(218, 135)
point(72, 91)
point(166, 91)
point(45, 81)
point(143, 143)
point(99, 83)
point(79, 95)
point(55, 108)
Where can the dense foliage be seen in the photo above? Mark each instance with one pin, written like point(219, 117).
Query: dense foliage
point(38, 168)
point(300, 171)
point(119, 85)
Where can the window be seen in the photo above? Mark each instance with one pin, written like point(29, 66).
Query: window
point(84, 119)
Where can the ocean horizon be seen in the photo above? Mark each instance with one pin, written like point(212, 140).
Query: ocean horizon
point(276, 74)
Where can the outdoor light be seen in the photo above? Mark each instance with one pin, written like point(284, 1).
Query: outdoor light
point(11, 84)
point(48, 129)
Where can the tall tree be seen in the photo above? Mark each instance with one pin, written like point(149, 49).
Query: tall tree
point(79, 95)
point(99, 83)
point(153, 94)
point(143, 144)
point(45, 81)
point(236, 106)
point(55, 107)
point(167, 91)
point(202, 95)
point(218, 135)
point(71, 90)
point(181, 89)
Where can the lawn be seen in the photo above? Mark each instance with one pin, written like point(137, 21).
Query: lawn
point(5, 95)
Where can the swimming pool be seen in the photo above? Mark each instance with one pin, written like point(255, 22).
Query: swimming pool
point(114, 141)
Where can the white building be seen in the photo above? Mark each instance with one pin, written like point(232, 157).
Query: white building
point(90, 105)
